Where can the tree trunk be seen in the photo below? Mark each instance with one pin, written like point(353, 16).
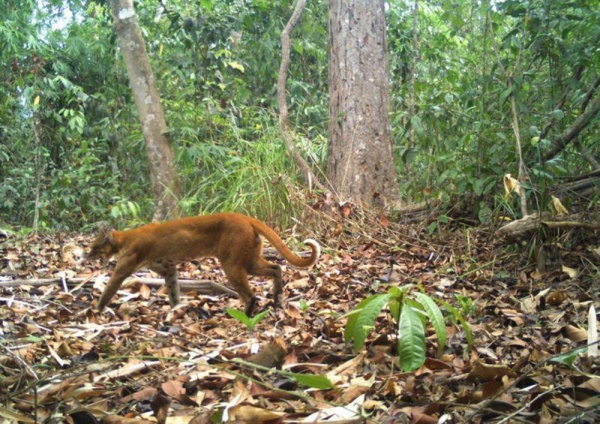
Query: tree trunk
point(360, 165)
point(286, 132)
point(412, 103)
point(165, 182)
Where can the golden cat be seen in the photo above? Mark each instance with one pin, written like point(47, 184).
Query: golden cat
point(230, 237)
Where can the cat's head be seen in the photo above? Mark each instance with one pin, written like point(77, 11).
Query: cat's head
point(103, 246)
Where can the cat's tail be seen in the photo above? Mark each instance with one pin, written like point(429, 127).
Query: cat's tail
point(285, 251)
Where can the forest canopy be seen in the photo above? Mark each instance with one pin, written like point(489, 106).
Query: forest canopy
point(470, 81)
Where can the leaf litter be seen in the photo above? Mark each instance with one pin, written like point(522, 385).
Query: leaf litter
point(141, 361)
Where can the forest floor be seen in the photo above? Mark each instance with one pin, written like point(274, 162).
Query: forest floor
point(141, 361)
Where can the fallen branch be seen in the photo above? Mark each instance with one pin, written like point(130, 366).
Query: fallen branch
point(572, 224)
point(420, 212)
point(523, 227)
point(581, 186)
point(206, 287)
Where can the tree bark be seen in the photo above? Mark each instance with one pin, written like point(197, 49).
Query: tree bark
point(361, 164)
point(165, 182)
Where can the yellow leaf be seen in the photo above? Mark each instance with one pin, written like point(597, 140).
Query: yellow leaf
point(510, 185)
point(572, 273)
point(36, 101)
point(236, 65)
point(558, 207)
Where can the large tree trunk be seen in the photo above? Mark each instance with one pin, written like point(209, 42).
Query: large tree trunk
point(165, 182)
point(361, 165)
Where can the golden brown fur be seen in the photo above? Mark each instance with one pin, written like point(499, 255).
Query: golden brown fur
point(230, 237)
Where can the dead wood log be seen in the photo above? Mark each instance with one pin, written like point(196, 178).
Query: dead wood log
point(584, 186)
point(524, 227)
point(205, 287)
point(419, 212)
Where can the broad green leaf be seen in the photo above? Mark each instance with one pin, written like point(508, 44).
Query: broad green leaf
point(366, 319)
point(115, 212)
point(298, 48)
point(207, 4)
point(415, 121)
point(395, 308)
point(256, 319)
point(133, 209)
point(395, 292)
point(432, 227)
point(312, 381)
point(353, 318)
point(558, 114)
point(239, 315)
point(505, 94)
point(361, 323)
point(568, 358)
point(463, 322)
point(411, 340)
point(435, 317)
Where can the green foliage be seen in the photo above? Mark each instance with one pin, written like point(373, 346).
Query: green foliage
point(60, 166)
point(250, 323)
point(411, 311)
point(464, 140)
point(411, 340)
point(466, 304)
point(459, 318)
point(303, 305)
point(248, 176)
point(568, 358)
point(362, 320)
point(71, 150)
point(312, 381)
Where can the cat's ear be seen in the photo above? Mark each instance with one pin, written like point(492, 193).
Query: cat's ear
point(105, 230)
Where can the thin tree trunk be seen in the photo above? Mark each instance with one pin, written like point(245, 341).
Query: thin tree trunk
point(286, 132)
point(161, 157)
point(39, 165)
point(523, 177)
point(412, 108)
point(509, 76)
